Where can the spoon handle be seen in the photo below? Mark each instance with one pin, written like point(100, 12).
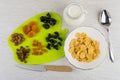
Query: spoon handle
point(110, 48)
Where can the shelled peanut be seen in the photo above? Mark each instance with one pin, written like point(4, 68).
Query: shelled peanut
point(17, 38)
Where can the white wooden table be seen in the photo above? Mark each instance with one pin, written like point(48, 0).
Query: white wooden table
point(15, 12)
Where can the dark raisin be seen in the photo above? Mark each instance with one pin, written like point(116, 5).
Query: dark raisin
point(42, 18)
point(56, 33)
point(47, 20)
point(48, 46)
point(17, 49)
point(52, 45)
point(48, 15)
point(55, 36)
point(21, 47)
point(55, 47)
point(47, 39)
point(49, 35)
point(46, 26)
point(59, 43)
point(23, 53)
point(60, 38)
point(53, 41)
point(52, 22)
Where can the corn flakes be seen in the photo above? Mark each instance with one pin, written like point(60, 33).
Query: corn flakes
point(83, 48)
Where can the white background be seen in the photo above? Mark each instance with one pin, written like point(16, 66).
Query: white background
point(15, 12)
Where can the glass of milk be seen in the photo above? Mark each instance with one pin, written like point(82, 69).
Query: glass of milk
point(74, 14)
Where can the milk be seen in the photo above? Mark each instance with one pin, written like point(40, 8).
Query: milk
point(74, 11)
point(74, 15)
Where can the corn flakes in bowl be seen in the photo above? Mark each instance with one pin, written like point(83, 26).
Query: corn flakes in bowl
point(85, 48)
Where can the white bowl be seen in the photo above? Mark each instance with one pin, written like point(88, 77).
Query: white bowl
point(94, 34)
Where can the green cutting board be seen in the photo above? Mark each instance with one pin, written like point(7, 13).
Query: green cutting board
point(52, 54)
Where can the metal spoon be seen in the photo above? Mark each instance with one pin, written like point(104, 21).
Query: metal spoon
point(105, 19)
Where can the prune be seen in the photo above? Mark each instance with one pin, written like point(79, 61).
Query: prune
point(59, 43)
point(46, 26)
point(47, 20)
point(55, 36)
point(52, 22)
point(42, 18)
point(56, 47)
point(60, 38)
point(48, 15)
point(52, 41)
point(49, 35)
point(47, 39)
point(56, 33)
point(49, 46)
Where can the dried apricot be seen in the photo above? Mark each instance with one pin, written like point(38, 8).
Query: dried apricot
point(33, 23)
point(26, 29)
point(31, 34)
point(31, 29)
point(35, 28)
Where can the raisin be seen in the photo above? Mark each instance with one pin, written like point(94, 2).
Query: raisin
point(53, 41)
point(56, 33)
point(48, 15)
point(59, 43)
point(42, 18)
point(46, 26)
point(48, 46)
point(55, 36)
point(56, 47)
point(60, 38)
point(52, 22)
point(22, 53)
point(49, 35)
point(47, 39)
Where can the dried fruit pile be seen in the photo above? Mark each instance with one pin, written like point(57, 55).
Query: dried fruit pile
point(47, 20)
point(38, 48)
point(44, 39)
point(17, 38)
point(23, 53)
point(31, 29)
point(54, 41)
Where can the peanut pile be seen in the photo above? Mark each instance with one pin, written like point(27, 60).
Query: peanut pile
point(17, 38)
